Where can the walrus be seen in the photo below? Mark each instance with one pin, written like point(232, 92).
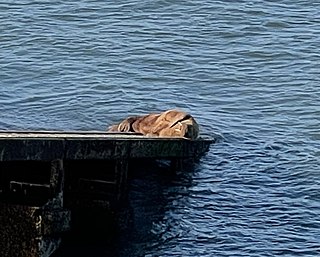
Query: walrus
point(170, 123)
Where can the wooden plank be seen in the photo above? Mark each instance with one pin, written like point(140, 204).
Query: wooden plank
point(29, 189)
point(95, 186)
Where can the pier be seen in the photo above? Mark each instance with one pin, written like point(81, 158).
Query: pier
point(47, 176)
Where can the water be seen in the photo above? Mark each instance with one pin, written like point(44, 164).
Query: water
point(247, 70)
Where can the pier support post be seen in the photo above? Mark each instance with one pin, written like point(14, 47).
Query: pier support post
point(121, 171)
point(32, 229)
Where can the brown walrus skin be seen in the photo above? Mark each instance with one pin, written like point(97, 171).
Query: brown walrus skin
point(171, 123)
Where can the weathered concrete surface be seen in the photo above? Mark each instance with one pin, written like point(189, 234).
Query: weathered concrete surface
point(28, 231)
point(31, 224)
point(86, 145)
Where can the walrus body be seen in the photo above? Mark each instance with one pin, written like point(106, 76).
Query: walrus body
point(171, 123)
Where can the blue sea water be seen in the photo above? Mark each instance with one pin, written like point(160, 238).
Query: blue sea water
point(248, 71)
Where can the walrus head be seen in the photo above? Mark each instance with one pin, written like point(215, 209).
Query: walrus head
point(186, 127)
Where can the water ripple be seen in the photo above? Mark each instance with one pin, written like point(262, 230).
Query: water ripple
point(247, 70)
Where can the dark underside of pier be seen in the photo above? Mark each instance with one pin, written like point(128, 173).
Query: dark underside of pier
point(48, 178)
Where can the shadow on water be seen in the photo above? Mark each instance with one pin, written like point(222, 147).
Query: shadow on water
point(132, 231)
